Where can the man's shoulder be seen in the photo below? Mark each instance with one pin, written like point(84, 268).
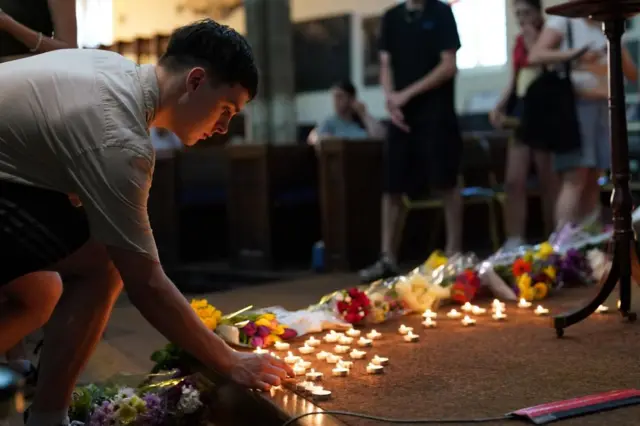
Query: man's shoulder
point(393, 11)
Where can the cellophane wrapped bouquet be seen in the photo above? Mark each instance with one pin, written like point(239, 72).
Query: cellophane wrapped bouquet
point(385, 301)
point(156, 400)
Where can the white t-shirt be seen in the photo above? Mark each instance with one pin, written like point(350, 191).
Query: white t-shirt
point(584, 34)
point(76, 121)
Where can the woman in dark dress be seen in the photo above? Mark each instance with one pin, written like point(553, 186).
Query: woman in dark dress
point(29, 27)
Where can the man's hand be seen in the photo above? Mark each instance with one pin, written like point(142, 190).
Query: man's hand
point(496, 118)
point(397, 117)
point(3, 19)
point(359, 108)
point(258, 371)
point(398, 99)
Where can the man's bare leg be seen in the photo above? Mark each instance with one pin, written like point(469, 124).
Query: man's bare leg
point(453, 220)
point(29, 302)
point(74, 330)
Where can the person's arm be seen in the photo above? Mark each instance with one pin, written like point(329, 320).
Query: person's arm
point(63, 14)
point(447, 68)
point(501, 105)
point(374, 128)
point(628, 67)
point(386, 74)
point(545, 50)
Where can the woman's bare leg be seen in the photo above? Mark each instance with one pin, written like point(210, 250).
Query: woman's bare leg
point(549, 183)
point(515, 214)
point(569, 207)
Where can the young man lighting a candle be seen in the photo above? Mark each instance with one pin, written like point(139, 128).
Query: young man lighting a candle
point(418, 45)
point(77, 121)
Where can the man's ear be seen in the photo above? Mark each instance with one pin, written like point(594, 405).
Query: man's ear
point(195, 78)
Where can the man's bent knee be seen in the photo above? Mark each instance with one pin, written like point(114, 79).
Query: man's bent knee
point(91, 263)
point(37, 292)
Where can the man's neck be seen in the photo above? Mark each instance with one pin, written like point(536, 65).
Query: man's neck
point(415, 4)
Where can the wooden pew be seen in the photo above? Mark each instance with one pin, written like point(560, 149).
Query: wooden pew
point(351, 189)
point(162, 209)
point(201, 188)
point(273, 205)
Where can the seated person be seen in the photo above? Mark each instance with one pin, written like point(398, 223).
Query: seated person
point(351, 119)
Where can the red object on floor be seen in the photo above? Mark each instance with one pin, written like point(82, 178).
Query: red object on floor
point(559, 410)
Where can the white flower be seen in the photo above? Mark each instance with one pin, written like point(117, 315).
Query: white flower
point(189, 400)
point(124, 395)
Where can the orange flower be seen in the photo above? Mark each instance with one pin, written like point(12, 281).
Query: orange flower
point(520, 266)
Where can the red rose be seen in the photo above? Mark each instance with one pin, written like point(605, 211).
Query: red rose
point(353, 292)
point(364, 300)
point(342, 306)
point(352, 317)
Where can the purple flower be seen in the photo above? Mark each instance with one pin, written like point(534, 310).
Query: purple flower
point(250, 329)
point(263, 331)
point(289, 333)
point(155, 413)
point(257, 342)
point(103, 415)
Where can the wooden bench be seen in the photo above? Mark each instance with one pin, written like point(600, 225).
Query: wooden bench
point(273, 206)
point(201, 188)
point(351, 189)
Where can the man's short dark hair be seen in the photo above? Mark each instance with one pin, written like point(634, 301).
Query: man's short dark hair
point(217, 48)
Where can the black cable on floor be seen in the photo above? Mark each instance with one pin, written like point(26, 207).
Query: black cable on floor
point(394, 421)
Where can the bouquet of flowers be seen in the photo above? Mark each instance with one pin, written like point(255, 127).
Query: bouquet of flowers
point(466, 286)
point(386, 302)
point(172, 401)
point(574, 268)
point(534, 274)
point(352, 305)
point(255, 330)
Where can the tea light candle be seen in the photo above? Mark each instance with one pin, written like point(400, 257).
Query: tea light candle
point(523, 303)
point(356, 354)
point(429, 314)
point(496, 304)
point(340, 371)
point(404, 329)
point(467, 307)
point(303, 386)
point(321, 394)
point(429, 323)
point(345, 340)
point(477, 310)
point(312, 341)
point(313, 375)
point(275, 355)
point(541, 311)
point(602, 309)
point(299, 370)
point(261, 351)
point(364, 342)
point(467, 321)
point(453, 314)
point(340, 349)
point(303, 364)
point(352, 332)
point(379, 360)
point(291, 358)
point(333, 359)
point(410, 337)
point(322, 355)
point(498, 315)
point(281, 346)
point(346, 364)
point(374, 335)
point(331, 337)
point(618, 304)
point(306, 350)
point(374, 369)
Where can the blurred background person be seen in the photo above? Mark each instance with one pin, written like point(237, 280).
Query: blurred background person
point(350, 120)
point(29, 27)
point(418, 45)
point(578, 204)
point(521, 151)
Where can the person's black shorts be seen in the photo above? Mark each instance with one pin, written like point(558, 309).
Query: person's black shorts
point(428, 158)
point(38, 228)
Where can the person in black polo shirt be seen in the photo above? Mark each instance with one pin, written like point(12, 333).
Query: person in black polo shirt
point(418, 44)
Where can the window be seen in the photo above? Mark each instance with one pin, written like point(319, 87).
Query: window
point(95, 22)
point(484, 40)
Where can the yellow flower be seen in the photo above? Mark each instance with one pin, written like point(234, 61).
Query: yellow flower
point(199, 303)
point(210, 323)
point(126, 414)
point(379, 316)
point(550, 271)
point(268, 317)
point(528, 294)
point(528, 257)
point(279, 330)
point(435, 260)
point(270, 340)
point(264, 322)
point(524, 282)
point(138, 404)
point(541, 290)
point(544, 251)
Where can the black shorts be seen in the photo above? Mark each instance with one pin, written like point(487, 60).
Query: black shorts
point(38, 228)
point(427, 158)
